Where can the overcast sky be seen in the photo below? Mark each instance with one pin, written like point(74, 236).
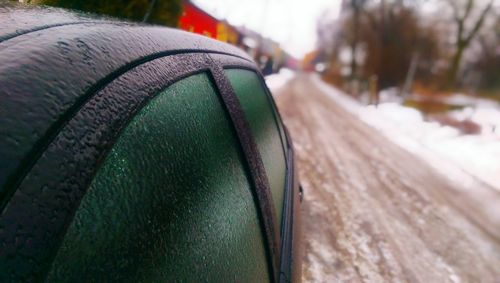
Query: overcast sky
point(292, 23)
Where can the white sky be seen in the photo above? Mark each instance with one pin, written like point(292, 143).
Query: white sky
point(292, 23)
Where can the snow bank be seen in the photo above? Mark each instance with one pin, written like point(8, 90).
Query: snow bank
point(443, 147)
point(278, 80)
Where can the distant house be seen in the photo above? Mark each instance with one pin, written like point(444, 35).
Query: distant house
point(194, 19)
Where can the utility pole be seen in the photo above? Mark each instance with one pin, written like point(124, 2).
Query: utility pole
point(149, 12)
point(410, 75)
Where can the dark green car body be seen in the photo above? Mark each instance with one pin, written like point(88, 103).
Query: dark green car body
point(140, 154)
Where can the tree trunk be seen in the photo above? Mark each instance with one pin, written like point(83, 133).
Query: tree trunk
point(455, 65)
point(354, 42)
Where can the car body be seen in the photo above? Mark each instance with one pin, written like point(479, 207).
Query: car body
point(138, 153)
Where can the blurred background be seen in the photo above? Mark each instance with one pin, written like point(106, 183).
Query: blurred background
point(432, 55)
point(432, 46)
point(393, 106)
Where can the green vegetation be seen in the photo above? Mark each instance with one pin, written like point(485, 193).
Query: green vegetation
point(162, 12)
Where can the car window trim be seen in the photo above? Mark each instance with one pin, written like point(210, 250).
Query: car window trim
point(270, 100)
point(290, 194)
point(255, 163)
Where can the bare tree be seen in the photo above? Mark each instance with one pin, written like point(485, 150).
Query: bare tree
point(395, 41)
point(356, 7)
point(462, 14)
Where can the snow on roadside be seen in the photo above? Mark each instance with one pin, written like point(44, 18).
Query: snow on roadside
point(442, 147)
point(278, 80)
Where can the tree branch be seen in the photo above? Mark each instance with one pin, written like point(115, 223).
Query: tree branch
point(468, 9)
point(454, 9)
point(479, 23)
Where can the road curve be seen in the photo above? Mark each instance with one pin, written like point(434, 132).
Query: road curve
point(374, 212)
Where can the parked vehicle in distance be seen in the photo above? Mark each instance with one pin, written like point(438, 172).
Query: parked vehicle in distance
point(138, 153)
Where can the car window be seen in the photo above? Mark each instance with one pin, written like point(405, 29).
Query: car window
point(171, 200)
point(265, 129)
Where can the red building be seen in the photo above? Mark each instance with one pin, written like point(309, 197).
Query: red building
point(266, 52)
point(194, 19)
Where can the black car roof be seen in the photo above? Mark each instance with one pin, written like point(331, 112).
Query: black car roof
point(50, 57)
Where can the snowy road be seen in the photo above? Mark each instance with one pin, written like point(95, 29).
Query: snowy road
point(374, 212)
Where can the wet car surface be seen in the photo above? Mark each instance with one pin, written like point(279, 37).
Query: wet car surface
point(138, 153)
